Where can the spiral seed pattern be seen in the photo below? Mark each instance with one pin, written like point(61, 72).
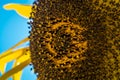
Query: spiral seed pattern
point(76, 39)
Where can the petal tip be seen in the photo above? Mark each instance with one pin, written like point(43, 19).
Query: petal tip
point(8, 6)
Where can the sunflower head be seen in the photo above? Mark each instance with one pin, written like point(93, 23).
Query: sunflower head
point(71, 39)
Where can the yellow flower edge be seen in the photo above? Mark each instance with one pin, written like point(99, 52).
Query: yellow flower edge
point(20, 59)
point(15, 70)
point(19, 55)
point(21, 9)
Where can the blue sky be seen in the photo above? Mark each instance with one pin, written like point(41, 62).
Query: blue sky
point(13, 28)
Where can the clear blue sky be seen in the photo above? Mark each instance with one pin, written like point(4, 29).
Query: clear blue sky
point(13, 28)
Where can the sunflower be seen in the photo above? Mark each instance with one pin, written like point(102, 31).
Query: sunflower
point(69, 40)
point(21, 56)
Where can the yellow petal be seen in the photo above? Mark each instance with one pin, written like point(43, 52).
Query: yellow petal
point(2, 68)
point(17, 76)
point(10, 50)
point(12, 55)
point(6, 56)
point(22, 10)
point(19, 43)
point(15, 70)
